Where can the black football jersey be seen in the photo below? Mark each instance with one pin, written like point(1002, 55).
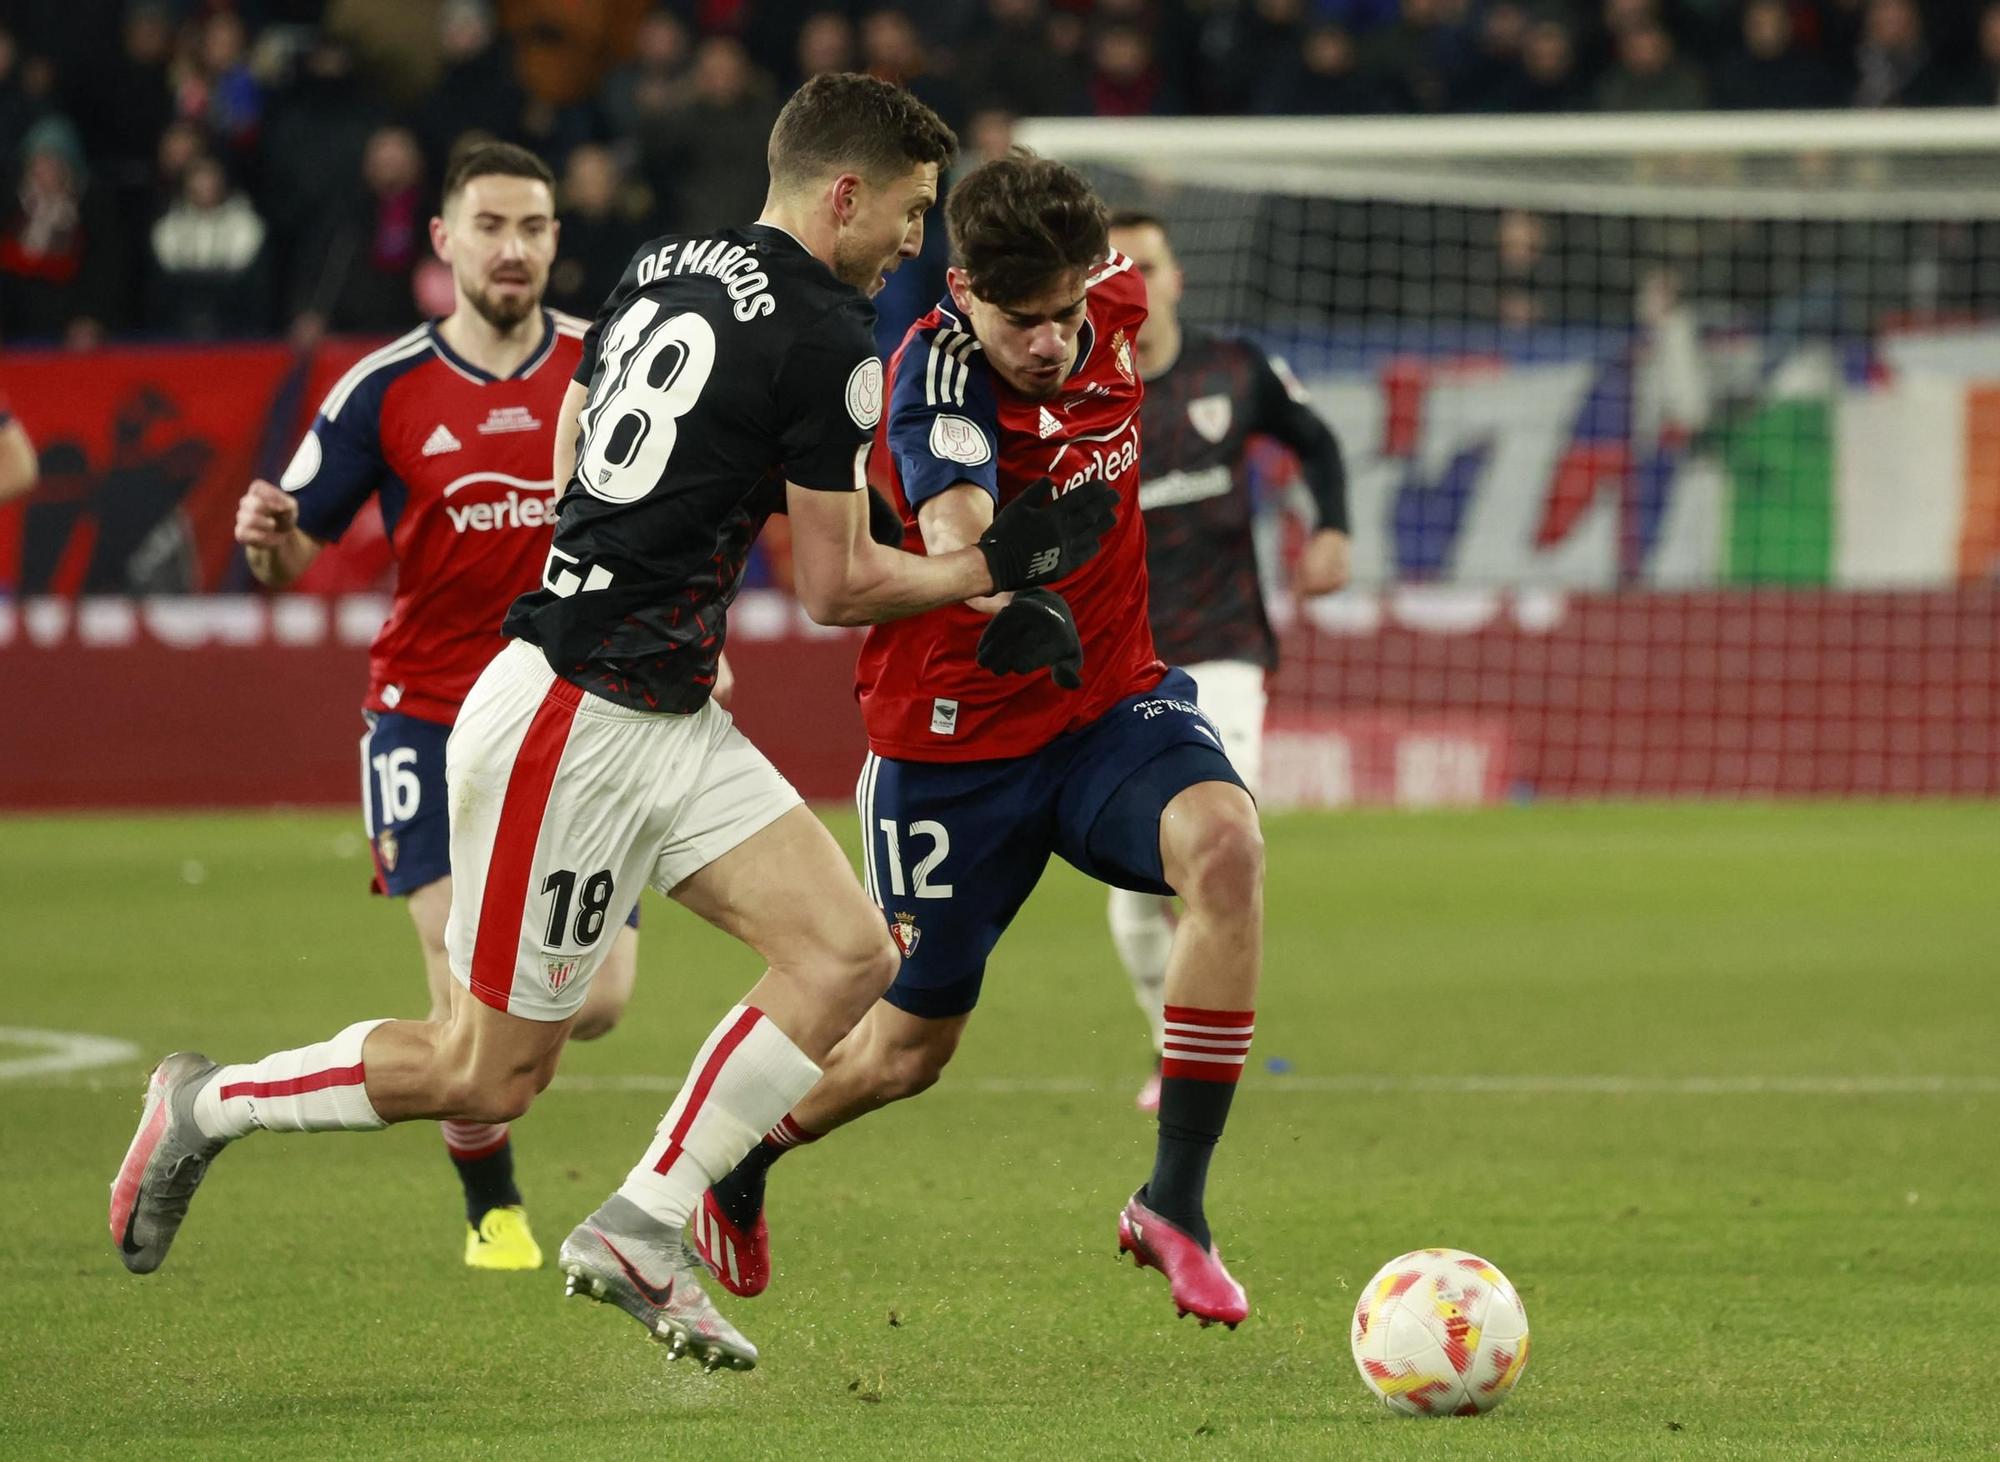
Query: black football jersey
point(722, 366)
point(1201, 563)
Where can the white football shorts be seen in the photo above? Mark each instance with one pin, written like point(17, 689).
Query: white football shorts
point(563, 807)
point(1231, 694)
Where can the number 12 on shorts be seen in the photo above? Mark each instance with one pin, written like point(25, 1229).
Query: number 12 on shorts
point(928, 864)
point(561, 890)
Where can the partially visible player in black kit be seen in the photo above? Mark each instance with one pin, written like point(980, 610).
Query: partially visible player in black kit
point(1206, 396)
point(729, 372)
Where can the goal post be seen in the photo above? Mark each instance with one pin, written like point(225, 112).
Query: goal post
point(1673, 441)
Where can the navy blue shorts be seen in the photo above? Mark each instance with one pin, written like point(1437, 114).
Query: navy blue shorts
point(953, 849)
point(403, 802)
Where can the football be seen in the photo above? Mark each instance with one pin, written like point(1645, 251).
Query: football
point(1440, 1332)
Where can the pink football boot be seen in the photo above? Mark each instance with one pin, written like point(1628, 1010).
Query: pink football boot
point(1201, 1286)
point(740, 1262)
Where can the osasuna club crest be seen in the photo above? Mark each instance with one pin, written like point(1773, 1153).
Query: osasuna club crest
point(386, 848)
point(903, 929)
point(1209, 415)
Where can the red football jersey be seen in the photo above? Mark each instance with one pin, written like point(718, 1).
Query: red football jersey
point(952, 420)
point(461, 461)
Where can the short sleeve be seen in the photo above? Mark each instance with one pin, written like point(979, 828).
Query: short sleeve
point(829, 397)
point(338, 465)
point(944, 421)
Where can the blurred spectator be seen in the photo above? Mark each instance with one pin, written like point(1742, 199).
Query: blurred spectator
point(1548, 81)
point(1771, 70)
point(1648, 77)
point(359, 276)
point(60, 256)
point(476, 89)
point(708, 157)
point(131, 101)
point(1422, 54)
point(563, 49)
point(826, 43)
point(603, 223)
point(1893, 60)
point(1525, 289)
point(1010, 64)
point(19, 465)
point(215, 87)
point(394, 43)
point(892, 49)
point(656, 82)
point(1327, 79)
point(311, 160)
point(1494, 72)
point(1254, 48)
point(989, 134)
point(1983, 88)
point(17, 111)
point(208, 260)
point(1125, 76)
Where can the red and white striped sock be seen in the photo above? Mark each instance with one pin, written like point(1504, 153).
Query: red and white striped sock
point(747, 1076)
point(321, 1088)
point(1207, 1045)
point(788, 1134)
point(470, 1141)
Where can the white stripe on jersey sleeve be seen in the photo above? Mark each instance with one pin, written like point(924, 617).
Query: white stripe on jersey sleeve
point(1114, 263)
point(399, 349)
point(569, 325)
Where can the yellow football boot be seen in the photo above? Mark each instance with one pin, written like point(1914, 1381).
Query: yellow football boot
point(503, 1240)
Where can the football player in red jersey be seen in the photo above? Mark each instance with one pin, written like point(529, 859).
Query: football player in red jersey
point(452, 428)
point(1085, 745)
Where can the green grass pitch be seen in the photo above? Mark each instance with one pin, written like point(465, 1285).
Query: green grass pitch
point(1735, 1145)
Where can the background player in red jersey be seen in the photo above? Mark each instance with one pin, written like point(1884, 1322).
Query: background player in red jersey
point(1206, 396)
point(1027, 371)
point(452, 426)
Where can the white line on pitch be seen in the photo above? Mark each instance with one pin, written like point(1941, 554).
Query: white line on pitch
point(1451, 1085)
point(62, 1052)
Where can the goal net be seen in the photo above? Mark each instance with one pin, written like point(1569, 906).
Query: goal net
point(1673, 442)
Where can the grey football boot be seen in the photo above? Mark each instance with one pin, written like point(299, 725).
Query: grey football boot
point(621, 1255)
point(166, 1162)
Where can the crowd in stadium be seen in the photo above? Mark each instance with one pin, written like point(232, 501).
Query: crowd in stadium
point(199, 170)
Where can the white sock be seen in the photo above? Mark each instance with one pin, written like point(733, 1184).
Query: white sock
point(320, 1088)
point(1143, 934)
point(745, 1078)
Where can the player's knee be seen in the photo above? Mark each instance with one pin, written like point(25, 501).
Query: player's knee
point(905, 1070)
point(1225, 867)
point(865, 962)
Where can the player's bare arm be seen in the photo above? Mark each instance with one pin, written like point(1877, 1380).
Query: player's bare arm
point(267, 525)
point(1325, 563)
point(954, 518)
point(18, 467)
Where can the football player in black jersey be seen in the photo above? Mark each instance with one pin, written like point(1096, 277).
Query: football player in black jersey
point(590, 758)
point(1206, 396)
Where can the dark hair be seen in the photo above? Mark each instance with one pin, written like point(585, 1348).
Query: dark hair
point(1020, 223)
point(483, 159)
point(841, 122)
point(1138, 218)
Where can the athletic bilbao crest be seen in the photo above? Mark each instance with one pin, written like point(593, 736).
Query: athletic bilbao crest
point(1121, 354)
point(559, 972)
point(903, 929)
point(386, 848)
point(1209, 415)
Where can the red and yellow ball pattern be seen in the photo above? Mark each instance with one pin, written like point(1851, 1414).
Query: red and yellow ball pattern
point(1440, 1332)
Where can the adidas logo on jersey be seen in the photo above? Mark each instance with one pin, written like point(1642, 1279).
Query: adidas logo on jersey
point(440, 441)
point(1047, 425)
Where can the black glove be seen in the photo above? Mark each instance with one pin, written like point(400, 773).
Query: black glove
point(1034, 632)
point(885, 524)
point(1039, 537)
